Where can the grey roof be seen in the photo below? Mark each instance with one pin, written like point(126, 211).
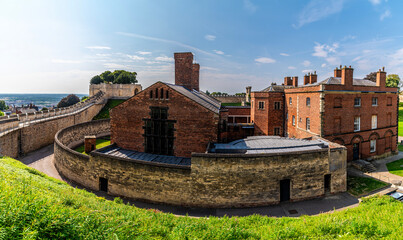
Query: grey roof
point(200, 98)
point(276, 88)
point(337, 81)
point(141, 156)
point(267, 144)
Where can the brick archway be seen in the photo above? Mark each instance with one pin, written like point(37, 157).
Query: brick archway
point(338, 141)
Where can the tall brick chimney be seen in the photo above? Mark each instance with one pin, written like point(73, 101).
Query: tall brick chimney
point(306, 79)
point(287, 81)
point(195, 76)
point(381, 78)
point(337, 72)
point(295, 81)
point(313, 78)
point(347, 76)
point(186, 73)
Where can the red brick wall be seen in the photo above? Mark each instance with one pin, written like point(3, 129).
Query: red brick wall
point(196, 126)
point(267, 119)
point(241, 114)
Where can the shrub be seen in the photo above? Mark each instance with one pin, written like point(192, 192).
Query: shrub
point(68, 101)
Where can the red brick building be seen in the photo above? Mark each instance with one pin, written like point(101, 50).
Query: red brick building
point(169, 119)
point(357, 113)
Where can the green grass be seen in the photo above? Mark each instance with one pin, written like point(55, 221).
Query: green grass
point(400, 133)
point(396, 167)
point(400, 147)
point(359, 186)
point(34, 206)
point(104, 113)
point(100, 144)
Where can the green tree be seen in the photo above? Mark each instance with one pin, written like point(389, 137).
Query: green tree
point(3, 105)
point(96, 80)
point(371, 77)
point(68, 101)
point(124, 77)
point(1, 113)
point(207, 92)
point(393, 80)
point(107, 76)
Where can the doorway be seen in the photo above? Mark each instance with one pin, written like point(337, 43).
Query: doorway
point(327, 182)
point(356, 151)
point(103, 184)
point(285, 186)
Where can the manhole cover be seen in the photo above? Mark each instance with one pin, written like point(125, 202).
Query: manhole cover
point(293, 211)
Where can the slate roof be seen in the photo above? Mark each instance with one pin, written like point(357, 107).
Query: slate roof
point(267, 144)
point(356, 81)
point(199, 97)
point(276, 88)
point(141, 156)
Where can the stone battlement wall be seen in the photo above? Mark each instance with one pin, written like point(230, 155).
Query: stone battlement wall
point(212, 180)
point(116, 91)
point(24, 134)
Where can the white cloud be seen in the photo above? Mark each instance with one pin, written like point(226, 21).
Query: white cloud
point(375, 2)
point(265, 60)
point(115, 66)
point(324, 50)
point(323, 65)
point(249, 6)
point(317, 10)
point(135, 57)
point(385, 15)
point(291, 67)
point(284, 54)
point(209, 68)
point(396, 59)
point(348, 37)
point(307, 71)
point(333, 60)
point(164, 59)
point(98, 48)
point(144, 53)
point(306, 63)
point(64, 61)
point(218, 52)
point(210, 37)
point(357, 58)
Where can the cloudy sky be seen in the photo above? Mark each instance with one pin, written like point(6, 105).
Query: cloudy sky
point(57, 46)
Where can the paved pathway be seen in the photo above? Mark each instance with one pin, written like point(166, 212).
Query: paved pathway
point(382, 172)
point(42, 160)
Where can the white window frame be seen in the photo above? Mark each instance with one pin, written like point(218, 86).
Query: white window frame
point(290, 100)
point(373, 145)
point(374, 122)
point(308, 101)
point(357, 123)
point(293, 120)
point(359, 100)
point(375, 103)
point(308, 124)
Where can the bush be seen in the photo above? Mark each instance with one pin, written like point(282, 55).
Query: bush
point(68, 101)
point(1, 113)
point(116, 77)
point(96, 80)
point(3, 105)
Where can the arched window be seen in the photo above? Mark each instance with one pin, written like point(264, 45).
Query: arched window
point(308, 102)
point(136, 91)
point(167, 95)
point(162, 94)
point(151, 94)
point(290, 100)
point(156, 93)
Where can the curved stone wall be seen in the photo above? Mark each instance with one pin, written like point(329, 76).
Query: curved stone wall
point(212, 180)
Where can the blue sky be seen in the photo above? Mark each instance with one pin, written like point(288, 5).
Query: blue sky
point(57, 46)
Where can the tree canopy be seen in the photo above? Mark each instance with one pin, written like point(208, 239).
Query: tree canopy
point(371, 76)
point(1, 113)
point(115, 77)
point(393, 80)
point(68, 101)
point(3, 105)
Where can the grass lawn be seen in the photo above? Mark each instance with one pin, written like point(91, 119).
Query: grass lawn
point(396, 167)
point(35, 206)
point(400, 122)
point(359, 186)
point(100, 144)
point(104, 113)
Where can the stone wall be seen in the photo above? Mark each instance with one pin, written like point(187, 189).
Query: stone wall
point(39, 134)
point(212, 180)
point(117, 91)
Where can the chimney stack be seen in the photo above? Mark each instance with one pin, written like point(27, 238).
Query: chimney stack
point(287, 81)
point(295, 81)
point(306, 79)
point(313, 78)
point(186, 73)
point(381, 78)
point(337, 72)
point(347, 76)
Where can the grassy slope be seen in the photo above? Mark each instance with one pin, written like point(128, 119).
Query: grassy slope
point(359, 186)
point(100, 144)
point(396, 167)
point(104, 113)
point(34, 206)
point(400, 121)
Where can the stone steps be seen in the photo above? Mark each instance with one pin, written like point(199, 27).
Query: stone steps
point(363, 166)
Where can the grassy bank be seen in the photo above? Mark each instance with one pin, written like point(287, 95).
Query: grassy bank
point(400, 133)
point(34, 206)
point(396, 167)
point(104, 113)
point(99, 144)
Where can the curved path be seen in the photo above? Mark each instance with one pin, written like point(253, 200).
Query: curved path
point(42, 160)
